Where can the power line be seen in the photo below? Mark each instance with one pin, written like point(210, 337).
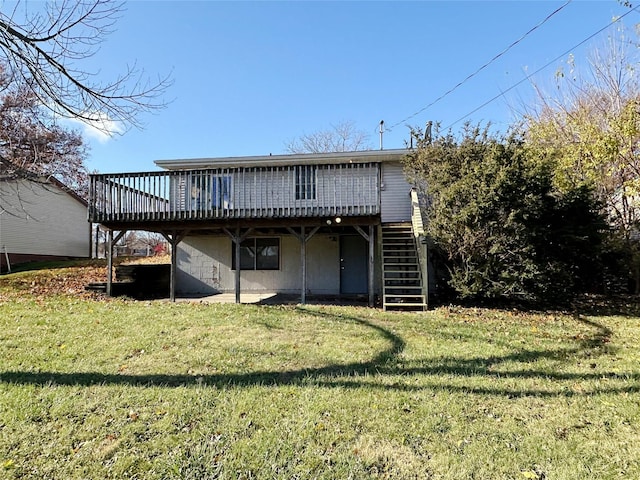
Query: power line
point(617, 19)
point(469, 77)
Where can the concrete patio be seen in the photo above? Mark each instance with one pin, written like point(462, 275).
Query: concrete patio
point(263, 298)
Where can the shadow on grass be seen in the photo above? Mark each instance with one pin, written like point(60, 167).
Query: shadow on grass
point(600, 305)
point(386, 371)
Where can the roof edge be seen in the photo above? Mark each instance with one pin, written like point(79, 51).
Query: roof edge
point(360, 156)
point(44, 180)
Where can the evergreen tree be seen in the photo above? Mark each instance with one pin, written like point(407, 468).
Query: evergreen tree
point(502, 228)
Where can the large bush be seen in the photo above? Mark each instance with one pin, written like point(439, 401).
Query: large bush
point(503, 230)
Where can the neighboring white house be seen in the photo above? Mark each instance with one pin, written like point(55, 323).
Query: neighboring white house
point(41, 220)
point(335, 224)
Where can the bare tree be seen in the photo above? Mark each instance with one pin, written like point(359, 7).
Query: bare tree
point(341, 137)
point(135, 241)
point(44, 49)
point(591, 125)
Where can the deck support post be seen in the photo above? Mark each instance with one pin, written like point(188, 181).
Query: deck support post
point(369, 237)
point(111, 241)
point(238, 237)
point(238, 269)
point(303, 266)
point(303, 237)
point(174, 238)
point(174, 270)
point(109, 263)
point(372, 264)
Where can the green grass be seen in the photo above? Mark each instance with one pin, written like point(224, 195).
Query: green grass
point(121, 389)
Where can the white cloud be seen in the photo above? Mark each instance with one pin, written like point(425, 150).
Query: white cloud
point(101, 128)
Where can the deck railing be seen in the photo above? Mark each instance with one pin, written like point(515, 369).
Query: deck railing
point(234, 193)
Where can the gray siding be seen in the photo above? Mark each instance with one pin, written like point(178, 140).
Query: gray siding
point(395, 195)
point(204, 266)
point(42, 220)
point(252, 192)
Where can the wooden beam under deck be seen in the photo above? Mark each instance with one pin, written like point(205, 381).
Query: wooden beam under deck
point(218, 226)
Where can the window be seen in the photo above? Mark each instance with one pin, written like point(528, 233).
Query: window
point(198, 195)
point(257, 254)
point(305, 182)
point(211, 191)
point(221, 192)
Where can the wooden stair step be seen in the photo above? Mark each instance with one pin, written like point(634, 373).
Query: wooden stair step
point(412, 271)
point(411, 297)
point(406, 304)
point(402, 279)
point(403, 287)
point(409, 282)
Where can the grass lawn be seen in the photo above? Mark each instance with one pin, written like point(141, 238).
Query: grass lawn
point(111, 388)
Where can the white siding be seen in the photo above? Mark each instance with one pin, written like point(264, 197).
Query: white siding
point(42, 220)
point(395, 197)
point(204, 266)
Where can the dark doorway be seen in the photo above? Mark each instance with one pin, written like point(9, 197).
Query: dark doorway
point(353, 264)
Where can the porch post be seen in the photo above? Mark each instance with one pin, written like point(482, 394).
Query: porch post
point(174, 239)
point(110, 242)
point(303, 238)
point(371, 266)
point(237, 273)
point(110, 263)
point(370, 273)
point(303, 263)
point(174, 268)
point(237, 238)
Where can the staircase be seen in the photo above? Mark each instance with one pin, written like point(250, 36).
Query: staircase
point(401, 273)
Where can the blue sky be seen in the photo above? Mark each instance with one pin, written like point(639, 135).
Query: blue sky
point(251, 76)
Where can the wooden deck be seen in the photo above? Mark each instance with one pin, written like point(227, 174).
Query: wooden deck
point(296, 191)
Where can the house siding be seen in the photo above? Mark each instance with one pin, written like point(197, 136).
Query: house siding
point(204, 267)
point(42, 220)
point(395, 196)
point(259, 192)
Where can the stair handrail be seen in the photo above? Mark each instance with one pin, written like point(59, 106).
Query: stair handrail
point(419, 238)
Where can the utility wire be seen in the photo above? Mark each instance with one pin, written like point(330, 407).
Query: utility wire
point(541, 68)
point(469, 77)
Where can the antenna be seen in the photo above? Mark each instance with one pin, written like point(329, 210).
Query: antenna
point(427, 132)
point(381, 132)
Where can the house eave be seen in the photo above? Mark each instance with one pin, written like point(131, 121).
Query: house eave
point(284, 160)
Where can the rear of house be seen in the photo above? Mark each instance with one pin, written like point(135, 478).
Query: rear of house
point(336, 224)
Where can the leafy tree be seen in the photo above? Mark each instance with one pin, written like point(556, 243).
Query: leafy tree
point(591, 126)
point(33, 146)
point(342, 137)
point(493, 214)
point(30, 140)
